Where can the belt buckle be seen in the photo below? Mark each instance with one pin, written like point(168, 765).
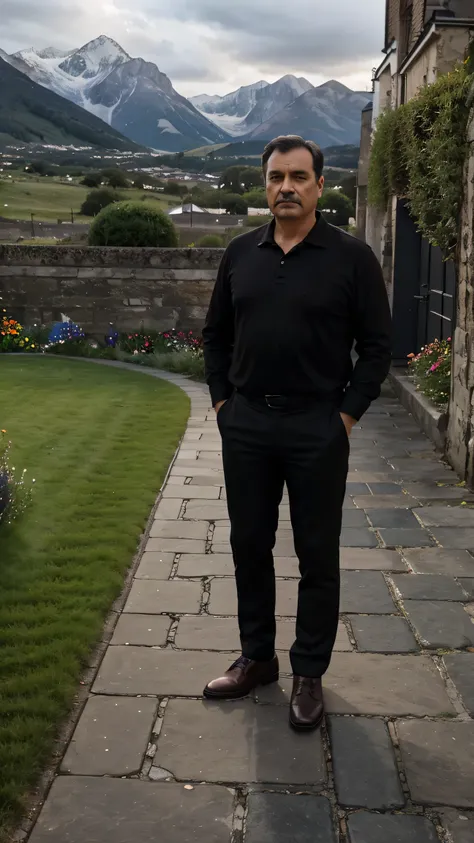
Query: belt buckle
point(272, 406)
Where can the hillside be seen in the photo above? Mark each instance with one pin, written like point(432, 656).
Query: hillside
point(32, 114)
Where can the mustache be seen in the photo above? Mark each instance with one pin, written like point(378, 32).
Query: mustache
point(289, 198)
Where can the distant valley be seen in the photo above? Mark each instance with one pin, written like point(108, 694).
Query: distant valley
point(139, 101)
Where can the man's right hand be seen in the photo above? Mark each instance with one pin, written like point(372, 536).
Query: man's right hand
point(218, 406)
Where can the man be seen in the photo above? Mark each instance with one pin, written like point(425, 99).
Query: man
point(289, 302)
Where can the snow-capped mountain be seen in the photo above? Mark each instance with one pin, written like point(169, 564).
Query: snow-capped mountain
point(245, 109)
point(328, 114)
point(130, 93)
point(229, 112)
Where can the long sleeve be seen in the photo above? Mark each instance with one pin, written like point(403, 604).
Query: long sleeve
point(373, 335)
point(218, 335)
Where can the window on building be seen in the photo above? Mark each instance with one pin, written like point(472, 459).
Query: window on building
point(406, 26)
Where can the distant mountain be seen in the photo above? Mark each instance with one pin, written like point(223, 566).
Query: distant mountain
point(229, 111)
point(131, 95)
point(32, 114)
point(244, 109)
point(329, 114)
point(274, 97)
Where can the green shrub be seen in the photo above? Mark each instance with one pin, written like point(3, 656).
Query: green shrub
point(132, 224)
point(96, 200)
point(418, 153)
point(211, 241)
point(336, 206)
point(180, 362)
point(115, 177)
point(92, 180)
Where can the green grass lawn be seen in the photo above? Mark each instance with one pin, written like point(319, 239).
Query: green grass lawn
point(50, 200)
point(98, 441)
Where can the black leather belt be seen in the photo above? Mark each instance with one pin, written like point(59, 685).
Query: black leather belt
point(290, 403)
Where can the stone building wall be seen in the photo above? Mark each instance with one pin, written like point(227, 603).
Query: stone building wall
point(460, 438)
point(157, 289)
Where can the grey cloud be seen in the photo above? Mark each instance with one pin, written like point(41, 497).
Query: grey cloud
point(313, 35)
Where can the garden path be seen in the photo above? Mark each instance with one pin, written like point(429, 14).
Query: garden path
point(150, 760)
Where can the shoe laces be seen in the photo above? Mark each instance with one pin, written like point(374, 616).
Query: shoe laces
point(305, 684)
point(240, 664)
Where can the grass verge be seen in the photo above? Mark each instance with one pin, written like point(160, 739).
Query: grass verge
point(98, 441)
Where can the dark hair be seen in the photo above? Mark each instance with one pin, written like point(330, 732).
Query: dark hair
point(285, 143)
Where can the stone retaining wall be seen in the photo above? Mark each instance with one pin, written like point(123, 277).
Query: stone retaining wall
point(157, 289)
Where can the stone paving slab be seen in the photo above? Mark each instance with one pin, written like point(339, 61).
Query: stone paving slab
point(446, 516)
point(155, 566)
point(460, 667)
point(393, 518)
point(176, 545)
point(439, 761)
point(459, 826)
point(468, 587)
point(111, 738)
point(156, 597)
point(205, 565)
point(406, 538)
point(364, 765)
point(441, 624)
point(370, 684)
point(428, 587)
point(180, 529)
point(224, 597)
point(145, 670)
point(381, 634)
point(366, 592)
point(285, 818)
point(371, 560)
point(385, 828)
point(237, 742)
point(205, 632)
point(378, 502)
point(454, 563)
point(106, 810)
point(457, 537)
point(141, 630)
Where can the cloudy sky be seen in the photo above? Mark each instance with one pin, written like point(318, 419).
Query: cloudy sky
point(213, 46)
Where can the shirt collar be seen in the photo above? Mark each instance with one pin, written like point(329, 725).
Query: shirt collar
point(318, 236)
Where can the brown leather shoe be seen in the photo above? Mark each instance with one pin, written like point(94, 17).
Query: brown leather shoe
point(241, 678)
point(306, 706)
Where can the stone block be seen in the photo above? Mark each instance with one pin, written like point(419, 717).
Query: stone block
point(127, 671)
point(254, 744)
point(441, 624)
point(284, 818)
point(84, 809)
point(428, 587)
point(157, 597)
point(365, 769)
point(111, 737)
point(142, 630)
point(179, 529)
point(382, 634)
point(365, 592)
point(364, 827)
point(155, 566)
point(438, 758)
point(460, 667)
point(370, 684)
point(356, 559)
point(436, 560)
point(206, 565)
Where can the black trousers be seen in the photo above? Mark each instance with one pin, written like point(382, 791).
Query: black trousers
point(308, 450)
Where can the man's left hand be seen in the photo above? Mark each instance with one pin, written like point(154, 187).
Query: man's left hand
point(349, 422)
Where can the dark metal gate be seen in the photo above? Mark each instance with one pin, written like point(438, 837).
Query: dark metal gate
point(424, 290)
point(436, 299)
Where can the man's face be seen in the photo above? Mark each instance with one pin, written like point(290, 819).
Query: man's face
point(292, 187)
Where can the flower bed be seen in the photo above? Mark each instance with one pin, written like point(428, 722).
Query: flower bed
point(431, 371)
point(175, 351)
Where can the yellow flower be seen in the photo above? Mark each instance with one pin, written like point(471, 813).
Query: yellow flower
point(26, 339)
point(4, 431)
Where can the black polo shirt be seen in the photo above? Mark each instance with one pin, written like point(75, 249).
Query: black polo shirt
point(286, 324)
